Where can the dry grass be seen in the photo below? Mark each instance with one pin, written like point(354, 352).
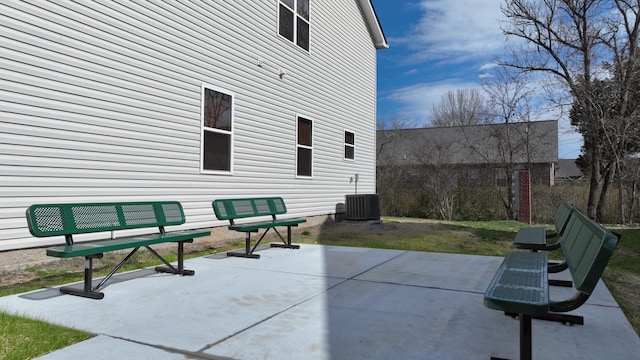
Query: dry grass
point(625, 288)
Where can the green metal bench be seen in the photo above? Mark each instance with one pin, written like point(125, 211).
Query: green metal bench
point(233, 209)
point(536, 238)
point(520, 286)
point(72, 219)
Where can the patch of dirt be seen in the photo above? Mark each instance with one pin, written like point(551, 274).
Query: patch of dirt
point(20, 266)
point(388, 230)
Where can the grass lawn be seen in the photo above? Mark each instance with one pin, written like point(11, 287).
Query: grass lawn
point(22, 338)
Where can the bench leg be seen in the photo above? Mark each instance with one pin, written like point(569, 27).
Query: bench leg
point(285, 244)
point(87, 291)
point(525, 337)
point(168, 268)
point(557, 317)
point(90, 291)
point(248, 251)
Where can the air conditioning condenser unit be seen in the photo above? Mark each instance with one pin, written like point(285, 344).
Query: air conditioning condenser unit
point(362, 207)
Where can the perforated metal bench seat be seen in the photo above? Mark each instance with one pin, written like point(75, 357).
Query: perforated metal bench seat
point(520, 285)
point(255, 226)
point(532, 238)
point(103, 246)
point(535, 238)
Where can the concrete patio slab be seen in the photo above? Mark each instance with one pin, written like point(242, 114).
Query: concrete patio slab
point(320, 302)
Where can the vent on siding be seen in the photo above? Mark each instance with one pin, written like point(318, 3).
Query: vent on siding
point(362, 207)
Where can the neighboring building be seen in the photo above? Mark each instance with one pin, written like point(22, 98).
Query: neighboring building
point(186, 101)
point(568, 171)
point(473, 155)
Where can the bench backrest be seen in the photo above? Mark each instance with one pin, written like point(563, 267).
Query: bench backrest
point(229, 209)
point(562, 217)
point(68, 219)
point(587, 247)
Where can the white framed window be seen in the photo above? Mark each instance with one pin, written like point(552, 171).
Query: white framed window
point(216, 141)
point(304, 147)
point(349, 145)
point(293, 21)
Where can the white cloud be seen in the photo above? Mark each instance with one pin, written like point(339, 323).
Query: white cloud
point(455, 31)
point(488, 66)
point(410, 72)
point(485, 70)
point(416, 100)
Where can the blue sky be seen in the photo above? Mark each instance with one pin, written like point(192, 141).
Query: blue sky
point(441, 45)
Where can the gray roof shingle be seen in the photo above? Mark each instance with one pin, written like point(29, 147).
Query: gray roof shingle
point(535, 142)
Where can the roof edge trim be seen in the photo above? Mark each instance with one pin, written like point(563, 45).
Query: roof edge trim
point(379, 40)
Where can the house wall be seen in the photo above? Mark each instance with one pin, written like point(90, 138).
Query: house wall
point(101, 101)
point(543, 174)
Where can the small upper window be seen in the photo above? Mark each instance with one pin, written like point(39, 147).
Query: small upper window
point(217, 117)
point(349, 145)
point(293, 18)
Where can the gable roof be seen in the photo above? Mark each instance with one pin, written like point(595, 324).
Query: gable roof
point(370, 16)
point(534, 142)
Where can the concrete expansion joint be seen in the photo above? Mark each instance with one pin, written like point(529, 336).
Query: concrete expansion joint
point(190, 355)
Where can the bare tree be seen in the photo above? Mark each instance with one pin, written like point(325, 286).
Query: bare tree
point(508, 95)
point(508, 101)
point(632, 177)
point(459, 108)
point(506, 148)
point(437, 175)
point(569, 40)
point(392, 174)
point(394, 122)
point(616, 102)
point(623, 132)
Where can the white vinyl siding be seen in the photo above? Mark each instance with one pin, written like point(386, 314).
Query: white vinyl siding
point(101, 101)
